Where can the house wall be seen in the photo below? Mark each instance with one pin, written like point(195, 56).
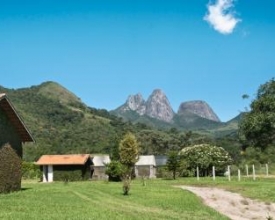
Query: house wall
point(10, 156)
point(99, 173)
point(146, 170)
point(67, 172)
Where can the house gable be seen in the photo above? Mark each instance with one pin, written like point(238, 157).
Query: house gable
point(13, 134)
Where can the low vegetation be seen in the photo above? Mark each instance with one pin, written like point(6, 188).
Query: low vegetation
point(102, 200)
point(159, 199)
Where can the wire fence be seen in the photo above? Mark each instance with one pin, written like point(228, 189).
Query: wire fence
point(247, 171)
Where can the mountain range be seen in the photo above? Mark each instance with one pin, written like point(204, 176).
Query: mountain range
point(157, 111)
point(62, 124)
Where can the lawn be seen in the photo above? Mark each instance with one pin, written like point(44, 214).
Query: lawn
point(159, 199)
point(103, 200)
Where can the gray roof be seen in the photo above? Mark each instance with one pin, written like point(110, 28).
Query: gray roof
point(100, 160)
point(146, 160)
point(161, 160)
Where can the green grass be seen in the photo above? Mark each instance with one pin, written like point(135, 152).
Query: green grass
point(159, 199)
point(103, 200)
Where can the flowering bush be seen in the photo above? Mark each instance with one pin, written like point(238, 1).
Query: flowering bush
point(205, 156)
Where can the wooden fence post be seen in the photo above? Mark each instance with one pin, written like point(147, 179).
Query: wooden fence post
point(239, 175)
point(214, 173)
point(198, 174)
point(253, 172)
point(229, 175)
point(266, 167)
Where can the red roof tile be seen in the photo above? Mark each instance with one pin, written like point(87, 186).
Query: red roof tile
point(69, 159)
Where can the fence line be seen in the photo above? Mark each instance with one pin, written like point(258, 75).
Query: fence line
point(263, 171)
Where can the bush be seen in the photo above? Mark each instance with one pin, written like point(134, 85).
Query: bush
point(30, 170)
point(205, 156)
point(115, 170)
point(10, 170)
point(70, 175)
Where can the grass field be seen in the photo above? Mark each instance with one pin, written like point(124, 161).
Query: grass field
point(159, 199)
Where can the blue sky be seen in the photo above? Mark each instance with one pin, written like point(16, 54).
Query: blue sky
point(105, 50)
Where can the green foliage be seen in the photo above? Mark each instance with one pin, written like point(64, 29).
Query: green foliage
point(255, 156)
point(173, 163)
point(10, 170)
point(129, 150)
point(206, 156)
point(128, 154)
point(30, 170)
point(257, 127)
point(70, 175)
point(126, 185)
point(114, 170)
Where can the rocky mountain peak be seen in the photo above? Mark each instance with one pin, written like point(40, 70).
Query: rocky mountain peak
point(136, 103)
point(200, 108)
point(158, 106)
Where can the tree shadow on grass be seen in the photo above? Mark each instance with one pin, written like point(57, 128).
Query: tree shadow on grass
point(25, 188)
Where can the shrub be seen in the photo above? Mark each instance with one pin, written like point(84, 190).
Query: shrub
point(114, 170)
point(205, 156)
point(10, 170)
point(70, 175)
point(30, 170)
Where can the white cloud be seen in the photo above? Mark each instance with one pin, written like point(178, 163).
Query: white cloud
point(221, 16)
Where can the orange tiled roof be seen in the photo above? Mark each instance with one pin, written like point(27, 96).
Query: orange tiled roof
point(69, 159)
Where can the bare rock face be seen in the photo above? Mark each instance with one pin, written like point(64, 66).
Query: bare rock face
point(200, 108)
point(158, 106)
point(135, 103)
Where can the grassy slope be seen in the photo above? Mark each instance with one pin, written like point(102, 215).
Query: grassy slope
point(102, 200)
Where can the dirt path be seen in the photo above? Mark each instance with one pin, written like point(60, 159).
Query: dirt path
point(233, 205)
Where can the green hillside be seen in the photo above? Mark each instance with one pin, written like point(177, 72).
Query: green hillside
point(61, 124)
point(59, 121)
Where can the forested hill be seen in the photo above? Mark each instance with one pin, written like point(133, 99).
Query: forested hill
point(61, 123)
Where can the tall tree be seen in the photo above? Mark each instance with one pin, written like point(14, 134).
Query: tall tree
point(128, 153)
point(173, 163)
point(257, 127)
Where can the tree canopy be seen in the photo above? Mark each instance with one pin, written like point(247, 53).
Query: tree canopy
point(173, 162)
point(257, 127)
point(128, 150)
point(205, 156)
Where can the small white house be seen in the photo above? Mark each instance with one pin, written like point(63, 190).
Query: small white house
point(146, 166)
point(64, 163)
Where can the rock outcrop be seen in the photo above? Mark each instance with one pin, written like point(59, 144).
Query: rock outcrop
point(158, 106)
point(200, 108)
point(135, 103)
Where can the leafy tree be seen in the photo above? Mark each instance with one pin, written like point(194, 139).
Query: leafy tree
point(173, 163)
point(128, 150)
point(128, 153)
point(257, 127)
point(205, 156)
point(114, 170)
